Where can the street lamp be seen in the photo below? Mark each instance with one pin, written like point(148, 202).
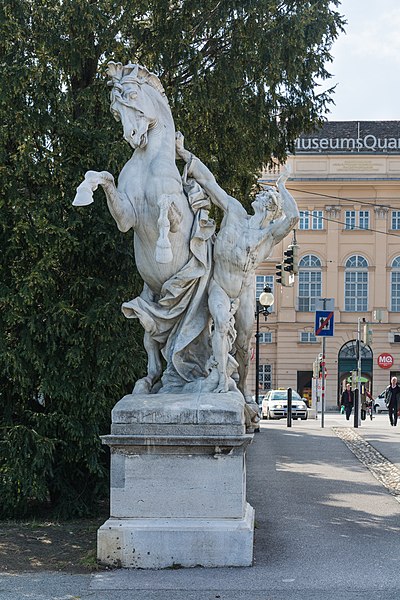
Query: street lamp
point(263, 304)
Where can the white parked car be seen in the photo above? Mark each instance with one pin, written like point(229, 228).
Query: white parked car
point(274, 405)
point(379, 403)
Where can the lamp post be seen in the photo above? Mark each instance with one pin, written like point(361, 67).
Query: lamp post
point(263, 304)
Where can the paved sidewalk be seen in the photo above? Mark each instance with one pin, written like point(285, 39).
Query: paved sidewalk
point(326, 529)
point(378, 432)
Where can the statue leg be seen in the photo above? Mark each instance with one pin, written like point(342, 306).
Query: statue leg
point(146, 384)
point(244, 326)
point(119, 205)
point(220, 309)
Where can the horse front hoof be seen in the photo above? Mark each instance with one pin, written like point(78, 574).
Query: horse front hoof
point(142, 386)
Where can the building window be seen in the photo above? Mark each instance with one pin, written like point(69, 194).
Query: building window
point(304, 222)
point(350, 219)
point(356, 284)
point(265, 377)
point(310, 283)
point(311, 220)
point(349, 350)
point(261, 282)
point(395, 285)
point(395, 219)
point(265, 337)
point(317, 217)
point(356, 220)
point(307, 337)
point(364, 219)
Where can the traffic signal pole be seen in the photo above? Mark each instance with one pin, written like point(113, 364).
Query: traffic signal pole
point(357, 398)
point(323, 382)
point(324, 300)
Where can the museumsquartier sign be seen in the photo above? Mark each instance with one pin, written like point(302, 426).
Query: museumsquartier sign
point(367, 137)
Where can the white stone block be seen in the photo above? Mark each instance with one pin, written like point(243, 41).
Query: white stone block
point(178, 483)
point(164, 543)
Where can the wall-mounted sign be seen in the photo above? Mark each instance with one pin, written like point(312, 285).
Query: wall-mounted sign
point(352, 137)
point(385, 360)
point(368, 143)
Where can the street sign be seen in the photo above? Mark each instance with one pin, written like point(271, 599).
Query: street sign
point(357, 379)
point(324, 323)
point(385, 360)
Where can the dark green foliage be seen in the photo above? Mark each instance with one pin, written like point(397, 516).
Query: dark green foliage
point(240, 77)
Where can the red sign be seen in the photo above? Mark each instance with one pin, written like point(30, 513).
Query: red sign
point(385, 360)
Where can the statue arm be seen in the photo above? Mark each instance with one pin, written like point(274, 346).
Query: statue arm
point(204, 177)
point(290, 217)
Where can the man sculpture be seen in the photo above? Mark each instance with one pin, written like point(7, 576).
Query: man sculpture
point(242, 243)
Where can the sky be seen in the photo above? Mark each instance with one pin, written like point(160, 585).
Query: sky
point(366, 66)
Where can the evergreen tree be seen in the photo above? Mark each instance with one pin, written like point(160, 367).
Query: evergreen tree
point(240, 77)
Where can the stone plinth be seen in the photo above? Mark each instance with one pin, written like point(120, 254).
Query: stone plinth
point(178, 483)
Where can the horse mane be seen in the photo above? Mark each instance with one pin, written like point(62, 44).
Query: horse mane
point(121, 74)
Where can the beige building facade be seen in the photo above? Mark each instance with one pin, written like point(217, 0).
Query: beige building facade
point(346, 180)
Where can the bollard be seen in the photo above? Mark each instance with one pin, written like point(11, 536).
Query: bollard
point(355, 407)
point(289, 407)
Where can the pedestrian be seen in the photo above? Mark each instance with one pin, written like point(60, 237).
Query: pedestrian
point(348, 400)
point(392, 400)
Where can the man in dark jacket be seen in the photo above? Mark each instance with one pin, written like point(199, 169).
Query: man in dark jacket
point(348, 400)
point(392, 400)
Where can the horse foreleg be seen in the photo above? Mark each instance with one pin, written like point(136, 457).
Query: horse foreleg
point(84, 191)
point(175, 217)
point(119, 206)
point(163, 246)
point(154, 367)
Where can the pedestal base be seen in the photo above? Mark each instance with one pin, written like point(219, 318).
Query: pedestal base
point(178, 483)
point(165, 543)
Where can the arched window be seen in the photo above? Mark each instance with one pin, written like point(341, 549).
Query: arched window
point(395, 285)
point(349, 350)
point(356, 284)
point(310, 282)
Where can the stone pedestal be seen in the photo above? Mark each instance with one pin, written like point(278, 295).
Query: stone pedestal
point(178, 483)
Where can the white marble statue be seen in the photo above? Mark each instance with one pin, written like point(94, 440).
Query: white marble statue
point(242, 243)
point(198, 300)
point(172, 238)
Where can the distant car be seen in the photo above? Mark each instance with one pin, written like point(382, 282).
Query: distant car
point(379, 403)
point(274, 405)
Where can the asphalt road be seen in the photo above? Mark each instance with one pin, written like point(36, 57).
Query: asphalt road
point(326, 529)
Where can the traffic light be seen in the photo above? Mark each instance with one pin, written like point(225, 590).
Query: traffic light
point(366, 333)
point(288, 261)
point(291, 260)
point(282, 276)
point(317, 367)
point(295, 250)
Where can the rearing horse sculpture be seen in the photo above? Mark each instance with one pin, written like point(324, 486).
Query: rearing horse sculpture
point(171, 236)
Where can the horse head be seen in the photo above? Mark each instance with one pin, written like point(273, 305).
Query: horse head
point(135, 100)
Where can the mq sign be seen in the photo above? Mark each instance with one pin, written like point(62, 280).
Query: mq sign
point(385, 360)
